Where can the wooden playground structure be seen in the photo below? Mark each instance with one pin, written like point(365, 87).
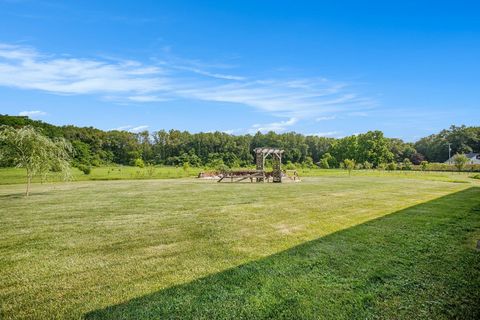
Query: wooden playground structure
point(260, 174)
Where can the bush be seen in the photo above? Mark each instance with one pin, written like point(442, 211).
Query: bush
point(424, 165)
point(391, 166)
point(477, 176)
point(381, 166)
point(367, 165)
point(290, 166)
point(222, 168)
point(407, 164)
point(308, 162)
point(84, 168)
point(139, 163)
point(323, 164)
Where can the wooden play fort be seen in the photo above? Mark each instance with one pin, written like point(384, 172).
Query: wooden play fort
point(260, 175)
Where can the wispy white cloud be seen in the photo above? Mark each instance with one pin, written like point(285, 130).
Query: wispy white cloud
point(32, 114)
point(131, 128)
point(25, 68)
point(127, 81)
point(147, 98)
point(138, 128)
point(279, 126)
point(325, 134)
point(211, 74)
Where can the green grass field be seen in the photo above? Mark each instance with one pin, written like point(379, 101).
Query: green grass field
point(17, 175)
point(374, 245)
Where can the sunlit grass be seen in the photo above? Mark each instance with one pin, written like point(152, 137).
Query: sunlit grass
point(73, 248)
point(17, 175)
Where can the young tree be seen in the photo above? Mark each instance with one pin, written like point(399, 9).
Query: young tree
point(460, 160)
point(424, 165)
point(27, 148)
point(349, 165)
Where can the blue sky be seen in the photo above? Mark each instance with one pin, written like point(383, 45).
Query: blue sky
point(331, 68)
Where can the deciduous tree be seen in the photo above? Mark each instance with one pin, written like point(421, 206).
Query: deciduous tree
point(27, 148)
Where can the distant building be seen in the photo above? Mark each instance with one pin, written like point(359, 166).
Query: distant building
point(473, 158)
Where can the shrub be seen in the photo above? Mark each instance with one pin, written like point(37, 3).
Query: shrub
point(308, 162)
point(84, 168)
point(215, 163)
point(381, 166)
point(222, 168)
point(186, 166)
point(139, 163)
point(323, 163)
point(407, 164)
point(367, 165)
point(391, 166)
point(477, 176)
point(330, 160)
point(424, 165)
point(290, 166)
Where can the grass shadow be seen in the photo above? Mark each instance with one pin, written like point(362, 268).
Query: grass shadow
point(415, 263)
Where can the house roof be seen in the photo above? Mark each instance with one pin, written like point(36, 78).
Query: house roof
point(472, 155)
point(473, 158)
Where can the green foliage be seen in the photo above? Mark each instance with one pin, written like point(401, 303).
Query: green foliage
point(308, 163)
point(96, 147)
point(477, 176)
point(324, 164)
point(186, 166)
point(462, 140)
point(290, 166)
point(138, 163)
point(328, 161)
point(367, 165)
point(460, 160)
point(424, 165)
point(401, 149)
point(371, 146)
point(407, 164)
point(27, 148)
point(84, 168)
point(382, 166)
point(391, 166)
point(349, 165)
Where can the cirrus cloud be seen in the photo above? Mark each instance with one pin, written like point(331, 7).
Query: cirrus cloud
point(129, 81)
point(32, 114)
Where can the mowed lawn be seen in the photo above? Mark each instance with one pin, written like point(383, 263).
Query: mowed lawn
point(330, 247)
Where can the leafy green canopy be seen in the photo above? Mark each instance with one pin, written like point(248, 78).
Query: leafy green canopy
point(94, 147)
point(27, 148)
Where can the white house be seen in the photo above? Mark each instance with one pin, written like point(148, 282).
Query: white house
point(473, 158)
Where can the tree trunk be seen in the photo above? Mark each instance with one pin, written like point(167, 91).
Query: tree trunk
point(29, 179)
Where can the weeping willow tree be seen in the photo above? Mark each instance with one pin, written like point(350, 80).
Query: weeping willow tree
point(27, 148)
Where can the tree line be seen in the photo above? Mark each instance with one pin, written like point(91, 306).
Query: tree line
point(94, 147)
